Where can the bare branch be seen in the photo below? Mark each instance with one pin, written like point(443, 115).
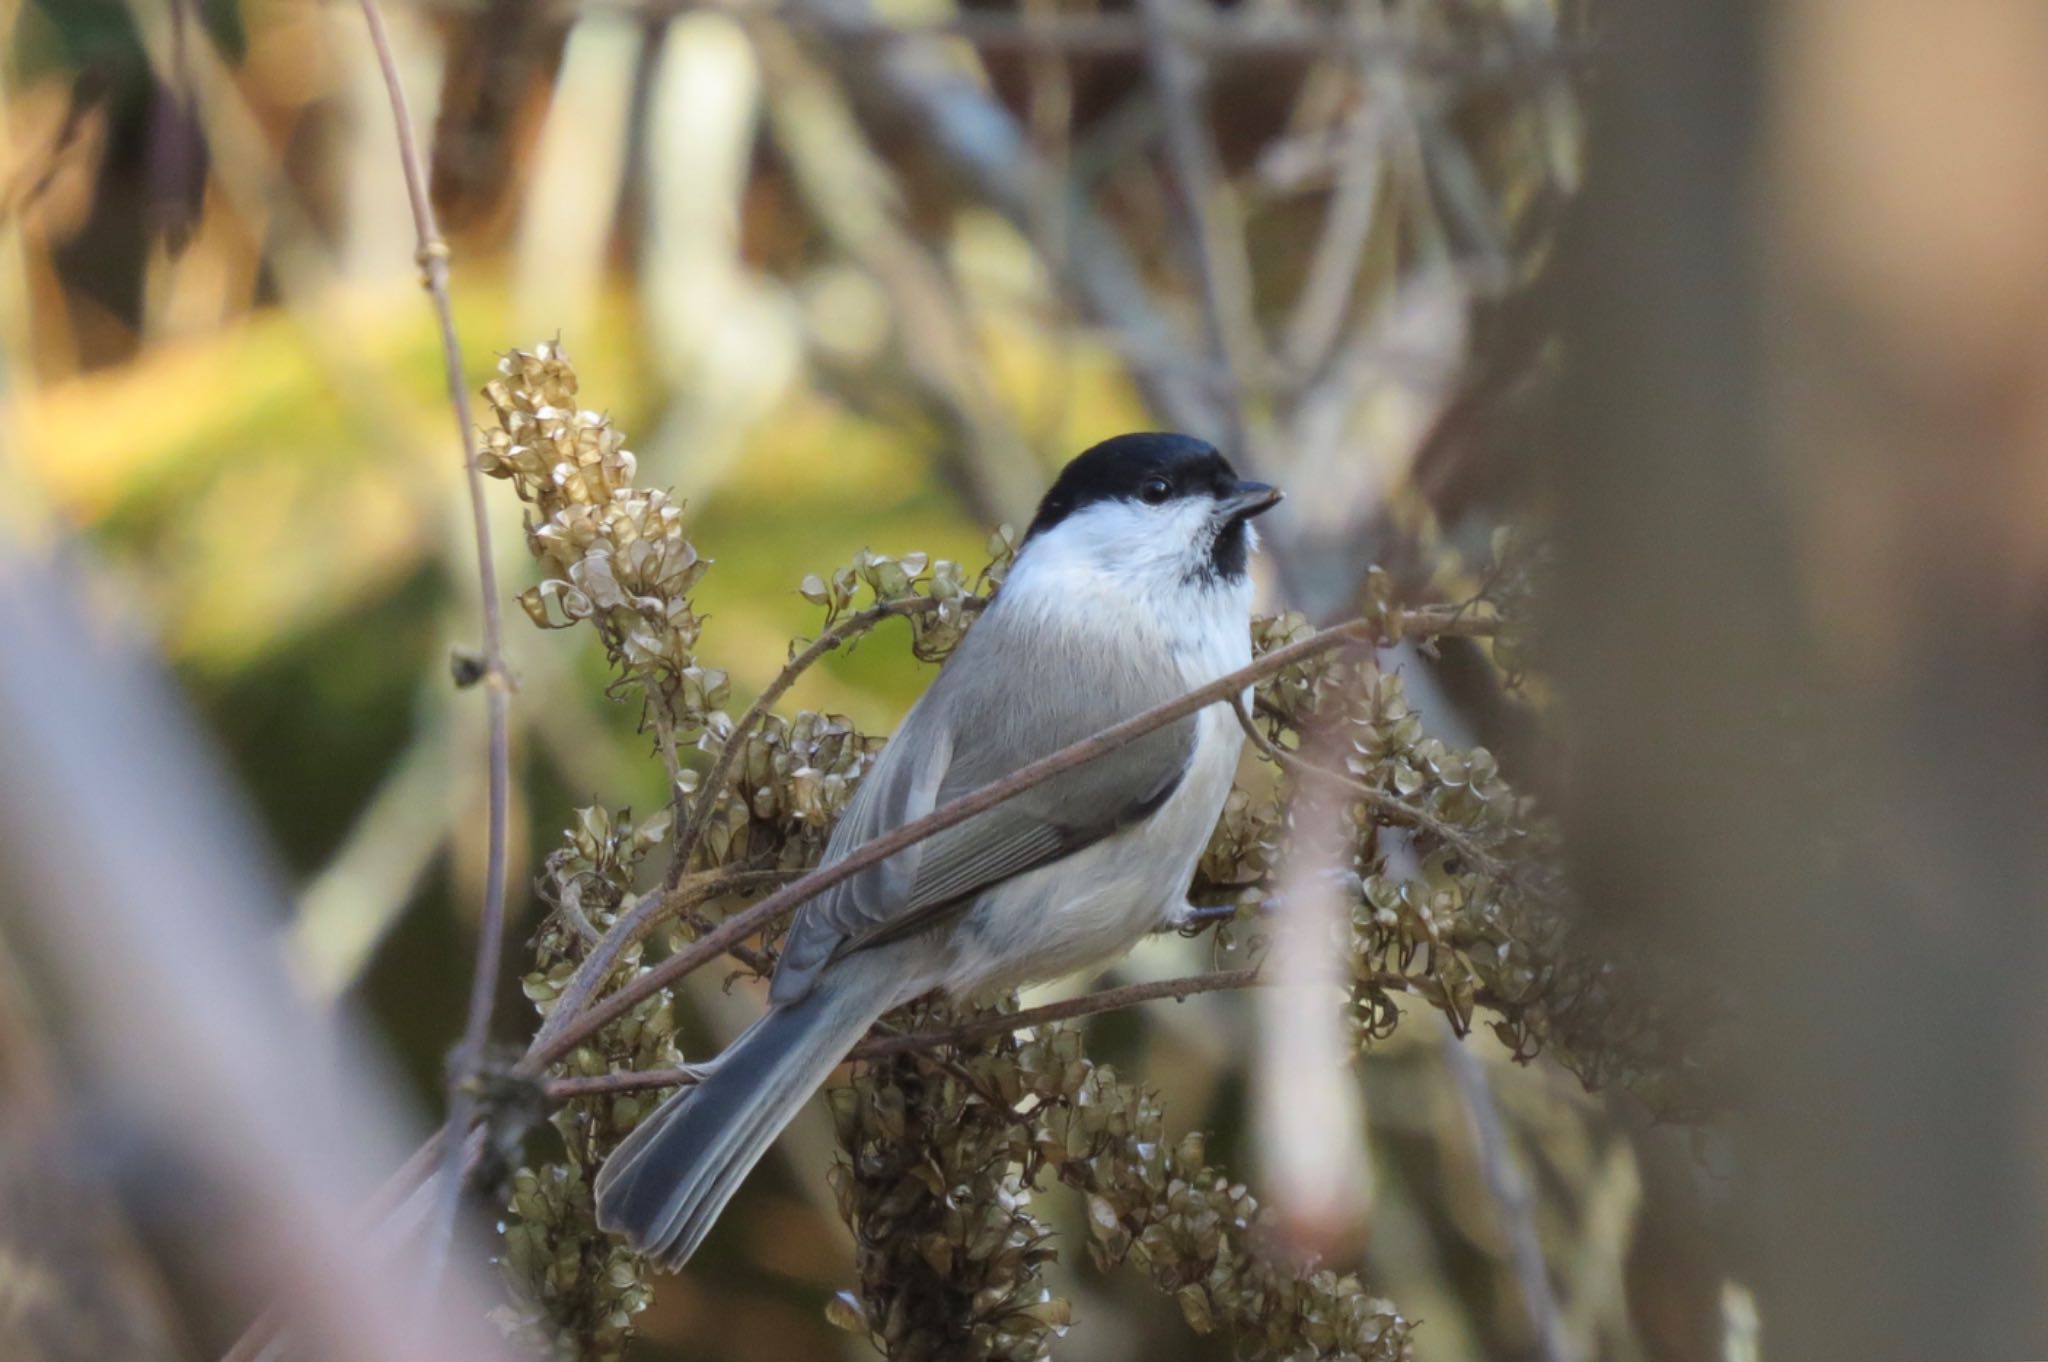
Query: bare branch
point(490, 942)
point(1087, 1005)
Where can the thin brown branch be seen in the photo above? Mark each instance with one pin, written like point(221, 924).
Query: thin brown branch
point(981, 1028)
point(490, 944)
point(787, 899)
point(853, 626)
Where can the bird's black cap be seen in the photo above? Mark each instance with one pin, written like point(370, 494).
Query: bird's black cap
point(1118, 467)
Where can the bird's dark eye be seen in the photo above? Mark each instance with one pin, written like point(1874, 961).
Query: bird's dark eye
point(1155, 491)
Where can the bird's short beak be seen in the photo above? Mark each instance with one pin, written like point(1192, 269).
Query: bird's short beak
point(1247, 499)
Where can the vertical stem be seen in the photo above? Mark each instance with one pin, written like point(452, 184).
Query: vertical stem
point(490, 945)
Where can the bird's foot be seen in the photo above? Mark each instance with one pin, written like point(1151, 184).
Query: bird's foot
point(1192, 919)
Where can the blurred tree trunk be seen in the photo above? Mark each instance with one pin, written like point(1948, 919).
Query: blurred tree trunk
point(1800, 479)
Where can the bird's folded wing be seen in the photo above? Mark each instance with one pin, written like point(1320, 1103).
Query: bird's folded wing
point(948, 750)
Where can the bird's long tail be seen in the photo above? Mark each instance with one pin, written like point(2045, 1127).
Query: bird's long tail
point(664, 1187)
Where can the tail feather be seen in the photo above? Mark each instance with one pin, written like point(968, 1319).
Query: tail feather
point(664, 1187)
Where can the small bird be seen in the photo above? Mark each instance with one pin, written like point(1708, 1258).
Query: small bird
point(1129, 590)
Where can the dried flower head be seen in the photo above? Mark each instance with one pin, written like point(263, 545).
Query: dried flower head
point(938, 1181)
point(610, 553)
point(574, 1290)
point(956, 597)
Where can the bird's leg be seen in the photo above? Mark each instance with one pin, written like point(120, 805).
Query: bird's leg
point(1191, 918)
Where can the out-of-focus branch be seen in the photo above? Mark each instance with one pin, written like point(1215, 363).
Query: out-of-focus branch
point(1225, 285)
point(347, 910)
point(247, 169)
point(1511, 1196)
point(1807, 755)
point(377, 1219)
point(134, 880)
point(433, 262)
point(1331, 281)
point(850, 191)
point(1308, 1106)
point(969, 128)
point(1248, 36)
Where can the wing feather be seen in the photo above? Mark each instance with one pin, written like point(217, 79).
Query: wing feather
point(967, 731)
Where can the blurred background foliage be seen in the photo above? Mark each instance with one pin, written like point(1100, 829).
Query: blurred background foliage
point(832, 323)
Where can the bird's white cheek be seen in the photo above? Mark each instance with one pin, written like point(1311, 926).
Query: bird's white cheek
point(1144, 550)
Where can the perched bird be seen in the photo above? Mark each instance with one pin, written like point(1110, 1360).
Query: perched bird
point(1128, 591)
